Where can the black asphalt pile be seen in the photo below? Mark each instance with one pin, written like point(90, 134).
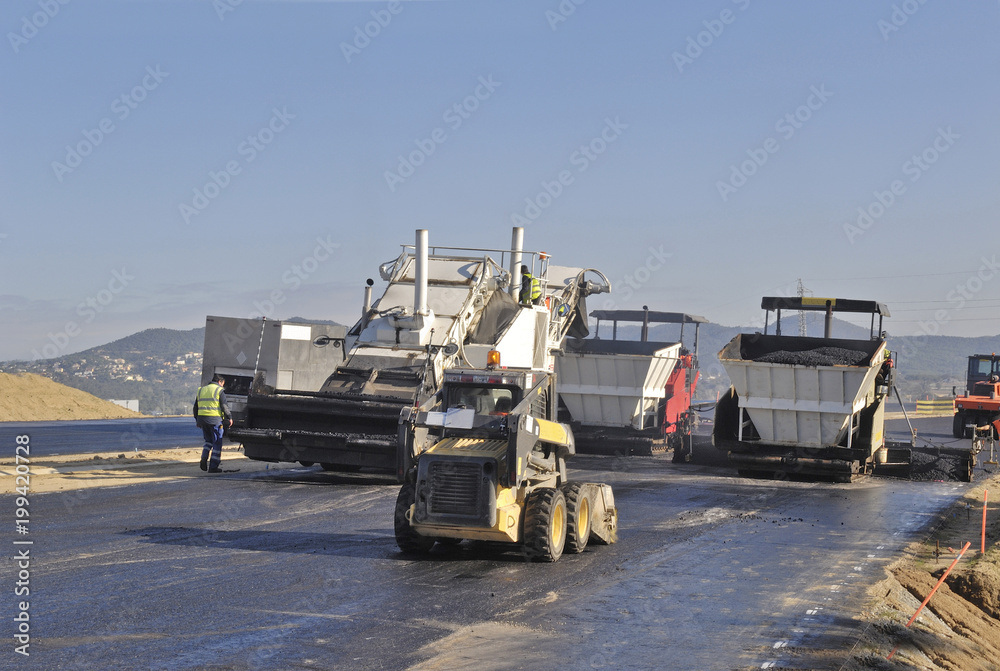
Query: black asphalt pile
point(821, 356)
point(928, 464)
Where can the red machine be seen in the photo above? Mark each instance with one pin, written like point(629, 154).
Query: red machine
point(980, 405)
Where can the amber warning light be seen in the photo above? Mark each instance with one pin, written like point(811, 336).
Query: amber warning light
point(493, 359)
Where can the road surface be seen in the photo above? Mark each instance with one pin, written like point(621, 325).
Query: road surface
point(296, 568)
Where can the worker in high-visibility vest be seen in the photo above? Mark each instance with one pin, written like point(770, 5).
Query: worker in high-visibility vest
point(531, 288)
point(211, 412)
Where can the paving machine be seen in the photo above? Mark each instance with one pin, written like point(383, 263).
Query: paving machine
point(979, 406)
point(804, 405)
point(485, 459)
point(626, 396)
point(442, 307)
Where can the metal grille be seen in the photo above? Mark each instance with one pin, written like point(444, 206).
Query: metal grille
point(454, 488)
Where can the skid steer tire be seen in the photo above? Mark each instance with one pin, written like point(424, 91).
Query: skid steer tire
point(579, 508)
point(408, 540)
point(958, 425)
point(545, 525)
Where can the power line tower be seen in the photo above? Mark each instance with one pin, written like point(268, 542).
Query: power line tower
point(802, 293)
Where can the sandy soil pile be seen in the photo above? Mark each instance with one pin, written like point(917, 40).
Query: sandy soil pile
point(33, 398)
point(65, 473)
point(960, 627)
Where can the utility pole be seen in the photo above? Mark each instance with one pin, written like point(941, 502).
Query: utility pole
point(802, 292)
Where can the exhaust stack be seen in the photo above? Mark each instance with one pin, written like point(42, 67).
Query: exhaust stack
point(368, 299)
point(420, 274)
point(516, 247)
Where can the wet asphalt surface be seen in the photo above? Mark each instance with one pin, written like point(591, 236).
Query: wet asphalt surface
point(296, 568)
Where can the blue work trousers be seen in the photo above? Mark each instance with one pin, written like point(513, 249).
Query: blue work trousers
point(213, 442)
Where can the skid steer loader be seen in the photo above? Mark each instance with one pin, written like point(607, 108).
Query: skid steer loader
point(484, 459)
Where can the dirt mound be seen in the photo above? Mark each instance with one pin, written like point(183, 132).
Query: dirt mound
point(960, 626)
point(821, 356)
point(33, 398)
point(969, 639)
point(981, 586)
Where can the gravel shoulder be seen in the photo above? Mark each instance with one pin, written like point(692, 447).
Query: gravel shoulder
point(112, 469)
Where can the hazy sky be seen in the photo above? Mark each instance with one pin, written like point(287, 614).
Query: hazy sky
point(161, 160)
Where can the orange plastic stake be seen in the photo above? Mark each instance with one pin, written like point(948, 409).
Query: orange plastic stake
point(982, 547)
point(939, 582)
point(964, 548)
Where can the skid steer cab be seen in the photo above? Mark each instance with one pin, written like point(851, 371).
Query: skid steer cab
point(484, 460)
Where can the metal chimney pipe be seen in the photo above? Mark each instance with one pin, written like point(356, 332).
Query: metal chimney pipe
point(368, 298)
point(645, 323)
point(420, 274)
point(828, 322)
point(516, 247)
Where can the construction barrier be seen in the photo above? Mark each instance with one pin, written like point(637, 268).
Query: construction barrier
point(935, 407)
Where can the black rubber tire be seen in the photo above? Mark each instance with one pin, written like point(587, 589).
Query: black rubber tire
point(340, 468)
point(726, 427)
point(544, 525)
point(965, 471)
point(408, 540)
point(958, 425)
point(307, 464)
point(579, 509)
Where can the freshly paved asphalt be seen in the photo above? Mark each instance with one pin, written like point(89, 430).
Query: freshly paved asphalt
point(277, 568)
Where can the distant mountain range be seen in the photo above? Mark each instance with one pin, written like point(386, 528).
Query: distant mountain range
point(162, 367)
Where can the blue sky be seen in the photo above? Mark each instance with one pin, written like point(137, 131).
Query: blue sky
point(851, 144)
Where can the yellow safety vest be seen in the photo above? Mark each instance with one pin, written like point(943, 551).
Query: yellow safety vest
point(536, 289)
point(208, 401)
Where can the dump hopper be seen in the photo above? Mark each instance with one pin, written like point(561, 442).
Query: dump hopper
point(802, 391)
point(615, 383)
